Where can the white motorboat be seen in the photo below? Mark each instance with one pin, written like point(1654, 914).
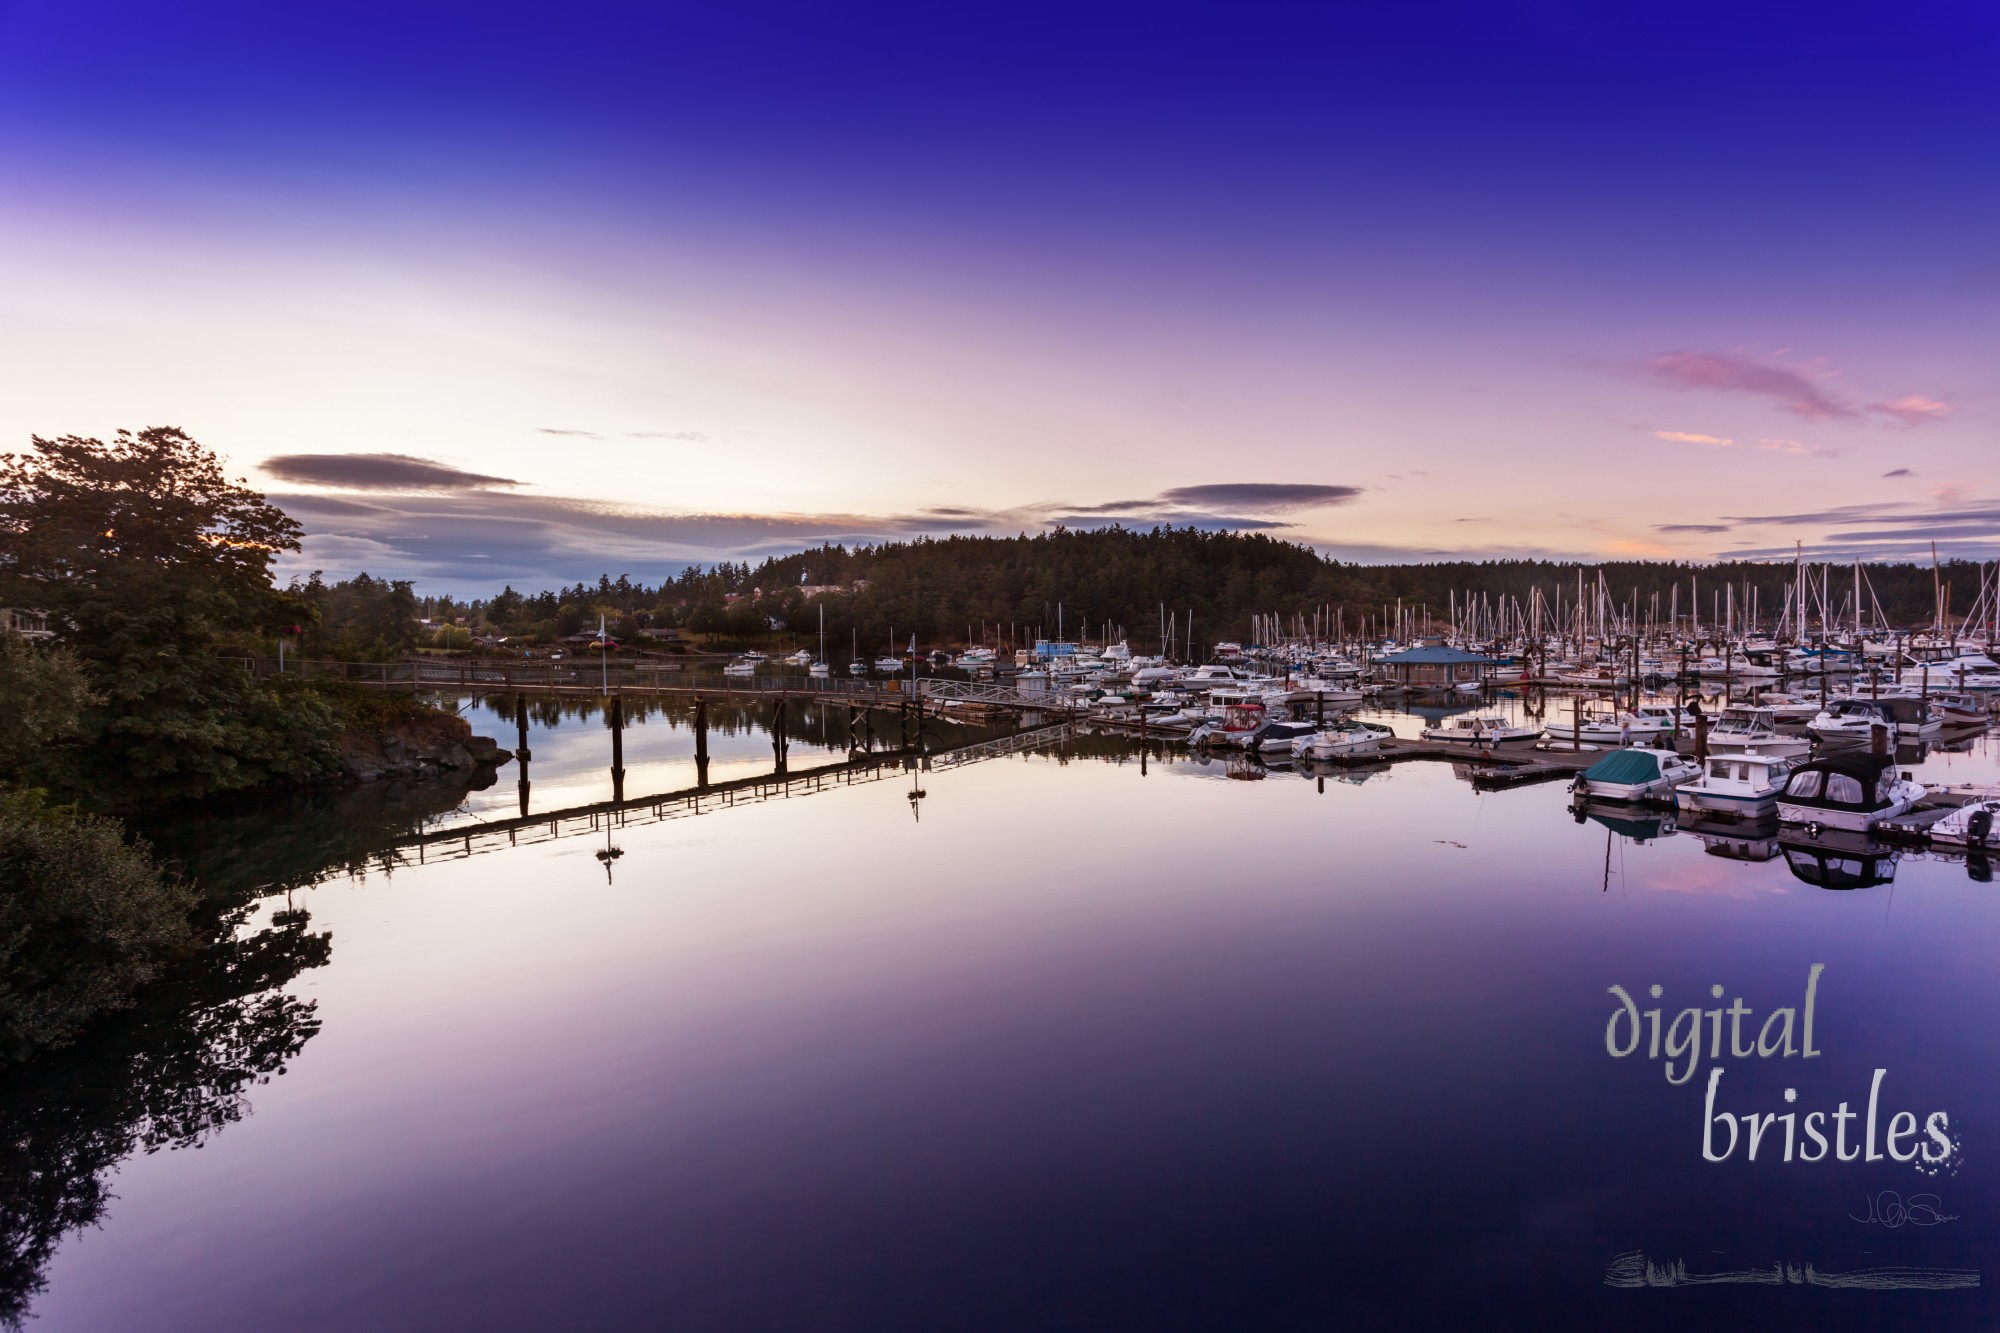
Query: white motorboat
point(1610, 728)
point(1971, 825)
point(1853, 722)
point(1480, 731)
point(889, 664)
point(1636, 774)
point(1348, 738)
point(1847, 791)
point(1279, 737)
point(1745, 784)
point(742, 666)
point(1751, 727)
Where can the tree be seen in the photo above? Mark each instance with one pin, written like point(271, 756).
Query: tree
point(150, 563)
point(43, 693)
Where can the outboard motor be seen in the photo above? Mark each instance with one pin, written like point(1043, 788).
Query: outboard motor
point(1979, 827)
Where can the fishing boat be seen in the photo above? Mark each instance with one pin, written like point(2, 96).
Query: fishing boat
point(1971, 825)
point(1480, 731)
point(1745, 784)
point(1847, 791)
point(1636, 774)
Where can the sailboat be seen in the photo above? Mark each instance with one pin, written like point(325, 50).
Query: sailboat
point(818, 668)
point(859, 665)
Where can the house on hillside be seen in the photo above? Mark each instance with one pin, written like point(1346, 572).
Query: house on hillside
point(27, 624)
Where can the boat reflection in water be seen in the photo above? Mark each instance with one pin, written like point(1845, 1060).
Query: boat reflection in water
point(1754, 840)
point(1623, 820)
point(1838, 858)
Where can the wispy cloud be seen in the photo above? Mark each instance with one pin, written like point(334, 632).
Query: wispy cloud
point(1954, 492)
point(1690, 437)
point(1797, 448)
point(691, 436)
point(376, 472)
point(1732, 372)
point(1898, 472)
point(1913, 409)
point(1691, 527)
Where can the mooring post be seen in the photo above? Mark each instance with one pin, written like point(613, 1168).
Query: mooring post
point(1319, 708)
point(616, 716)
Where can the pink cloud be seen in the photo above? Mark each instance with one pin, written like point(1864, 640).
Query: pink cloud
point(1913, 409)
point(1732, 372)
point(1690, 437)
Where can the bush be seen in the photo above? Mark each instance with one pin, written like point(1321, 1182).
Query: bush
point(85, 919)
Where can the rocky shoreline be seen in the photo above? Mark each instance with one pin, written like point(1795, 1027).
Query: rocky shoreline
point(417, 747)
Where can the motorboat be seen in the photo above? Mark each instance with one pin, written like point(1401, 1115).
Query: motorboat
point(1609, 727)
point(742, 666)
point(1847, 791)
point(1480, 731)
point(1745, 783)
point(1960, 710)
point(1278, 737)
point(1752, 727)
point(1348, 738)
point(1971, 825)
point(1666, 717)
point(1240, 716)
point(889, 664)
point(1853, 721)
point(1636, 774)
point(1789, 709)
point(818, 671)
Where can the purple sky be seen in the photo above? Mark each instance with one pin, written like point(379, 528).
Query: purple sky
point(493, 292)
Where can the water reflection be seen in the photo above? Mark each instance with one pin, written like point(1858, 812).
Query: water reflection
point(1015, 1037)
point(1838, 859)
point(167, 1074)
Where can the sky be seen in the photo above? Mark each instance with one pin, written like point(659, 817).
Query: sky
point(507, 293)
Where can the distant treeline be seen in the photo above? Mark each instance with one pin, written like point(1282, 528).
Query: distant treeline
point(997, 588)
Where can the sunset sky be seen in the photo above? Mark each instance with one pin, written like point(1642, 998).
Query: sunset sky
point(496, 292)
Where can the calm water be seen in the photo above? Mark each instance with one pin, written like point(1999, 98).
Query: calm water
point(1066, 1043)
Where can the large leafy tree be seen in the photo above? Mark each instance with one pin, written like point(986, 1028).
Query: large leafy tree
point(151, 563)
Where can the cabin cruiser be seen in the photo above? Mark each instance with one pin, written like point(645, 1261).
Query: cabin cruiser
point(1847, 791)
point(1213, 674)
point(1960, 710)
point(1749, 726)
point(742, 666)
point(1279, 737)
point(1636, 775)
point(1479, 730)
point(1745, 784)
point(1666, 717)
point(1971, 825)
point(1347, 738)
point(1853, 721)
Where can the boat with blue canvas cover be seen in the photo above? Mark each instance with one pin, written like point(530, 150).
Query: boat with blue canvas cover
point(1636, 775)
